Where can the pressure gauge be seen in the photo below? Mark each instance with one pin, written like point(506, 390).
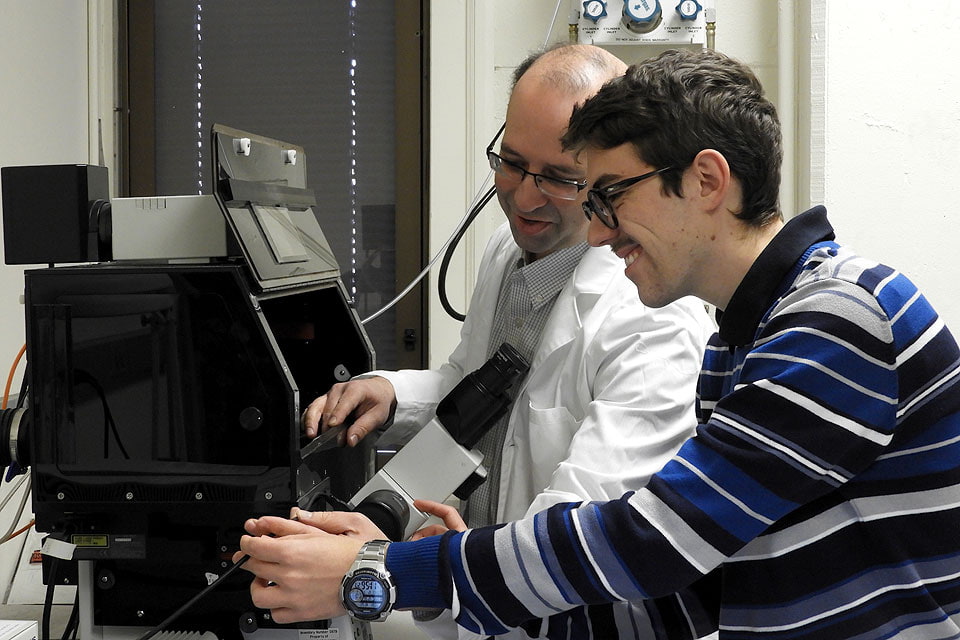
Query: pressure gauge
point(688, 9)
point(641, 16)
point(595, 9)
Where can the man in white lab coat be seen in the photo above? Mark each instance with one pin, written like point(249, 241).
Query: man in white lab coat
point(609, 395)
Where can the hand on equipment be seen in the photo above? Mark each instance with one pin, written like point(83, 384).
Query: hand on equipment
point(371, 402)
point(452, 521)
point(352, 525)
point(298, 564)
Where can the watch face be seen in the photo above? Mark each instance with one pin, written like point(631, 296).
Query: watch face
point(366, 595)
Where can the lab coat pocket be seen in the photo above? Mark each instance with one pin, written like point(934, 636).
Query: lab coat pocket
point(551, 431)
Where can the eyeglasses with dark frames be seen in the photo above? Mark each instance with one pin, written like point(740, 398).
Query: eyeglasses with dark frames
point(562, 188)
point(598, 201)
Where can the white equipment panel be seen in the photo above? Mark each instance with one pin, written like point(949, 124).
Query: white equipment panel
point(642, 22)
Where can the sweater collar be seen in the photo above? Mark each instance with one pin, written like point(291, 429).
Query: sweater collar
point(761, 286)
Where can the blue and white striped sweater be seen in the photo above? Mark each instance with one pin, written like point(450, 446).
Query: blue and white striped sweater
point(821, 493)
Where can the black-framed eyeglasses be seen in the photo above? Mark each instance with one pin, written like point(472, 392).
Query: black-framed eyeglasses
point(598, 200)
point(562, 188)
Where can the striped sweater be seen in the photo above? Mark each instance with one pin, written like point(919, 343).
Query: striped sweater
point(820, 497)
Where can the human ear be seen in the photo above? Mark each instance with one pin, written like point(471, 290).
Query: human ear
point(712, 173)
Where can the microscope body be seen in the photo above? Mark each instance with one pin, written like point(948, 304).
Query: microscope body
point(432, 466)
point(440, 461)
point(165, 392)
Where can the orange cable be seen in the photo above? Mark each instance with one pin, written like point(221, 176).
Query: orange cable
point(19, 531)
point(13, 369)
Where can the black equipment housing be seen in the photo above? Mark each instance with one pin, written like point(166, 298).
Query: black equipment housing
point(165, 399)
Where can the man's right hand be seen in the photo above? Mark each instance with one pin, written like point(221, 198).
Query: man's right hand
point(371, 402)
point(298, 568)
point(452, 520)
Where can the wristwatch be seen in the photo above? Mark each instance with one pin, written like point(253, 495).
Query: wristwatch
point(367, 591)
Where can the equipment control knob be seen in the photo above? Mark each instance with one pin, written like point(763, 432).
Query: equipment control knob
point(689, 9)
point(251, 418)
point(641, 16)
point(595, 9)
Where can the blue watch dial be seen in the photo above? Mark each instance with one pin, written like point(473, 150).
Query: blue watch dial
point(366, 595)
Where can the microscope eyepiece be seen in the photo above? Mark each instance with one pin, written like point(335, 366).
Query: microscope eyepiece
point(502, 369)
point(474, 405)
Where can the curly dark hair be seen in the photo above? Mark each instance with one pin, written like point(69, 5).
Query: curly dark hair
point(673, 106)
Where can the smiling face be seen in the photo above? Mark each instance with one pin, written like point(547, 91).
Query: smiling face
point(537, 116)
point(664, 242)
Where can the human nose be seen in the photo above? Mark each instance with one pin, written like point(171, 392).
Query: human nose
point(599, 234)
point(527, 196)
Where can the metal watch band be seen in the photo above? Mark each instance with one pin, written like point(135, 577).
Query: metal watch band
point(372, 555)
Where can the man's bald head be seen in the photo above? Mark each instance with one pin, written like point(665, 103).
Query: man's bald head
point(573, 69)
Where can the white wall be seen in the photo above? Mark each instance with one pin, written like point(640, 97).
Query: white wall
point(892, 130)
point(43, 120)
point(43, 70)
point(870, 102)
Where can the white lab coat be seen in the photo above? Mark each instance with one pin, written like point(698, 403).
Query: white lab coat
point(607, 402)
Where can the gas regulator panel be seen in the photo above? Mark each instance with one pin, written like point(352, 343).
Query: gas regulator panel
point(642, 22)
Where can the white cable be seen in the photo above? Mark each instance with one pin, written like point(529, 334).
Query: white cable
point(456, 230)
point(473, 203)
point(23, 503)
point(556, 12)
point(20, 482)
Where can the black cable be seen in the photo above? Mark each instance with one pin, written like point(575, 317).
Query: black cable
point(179, 612)
point(74, 622)
point(24, 386)
point(323, 500)
point(81, 377)
point(448, 254)
point(48, 601)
